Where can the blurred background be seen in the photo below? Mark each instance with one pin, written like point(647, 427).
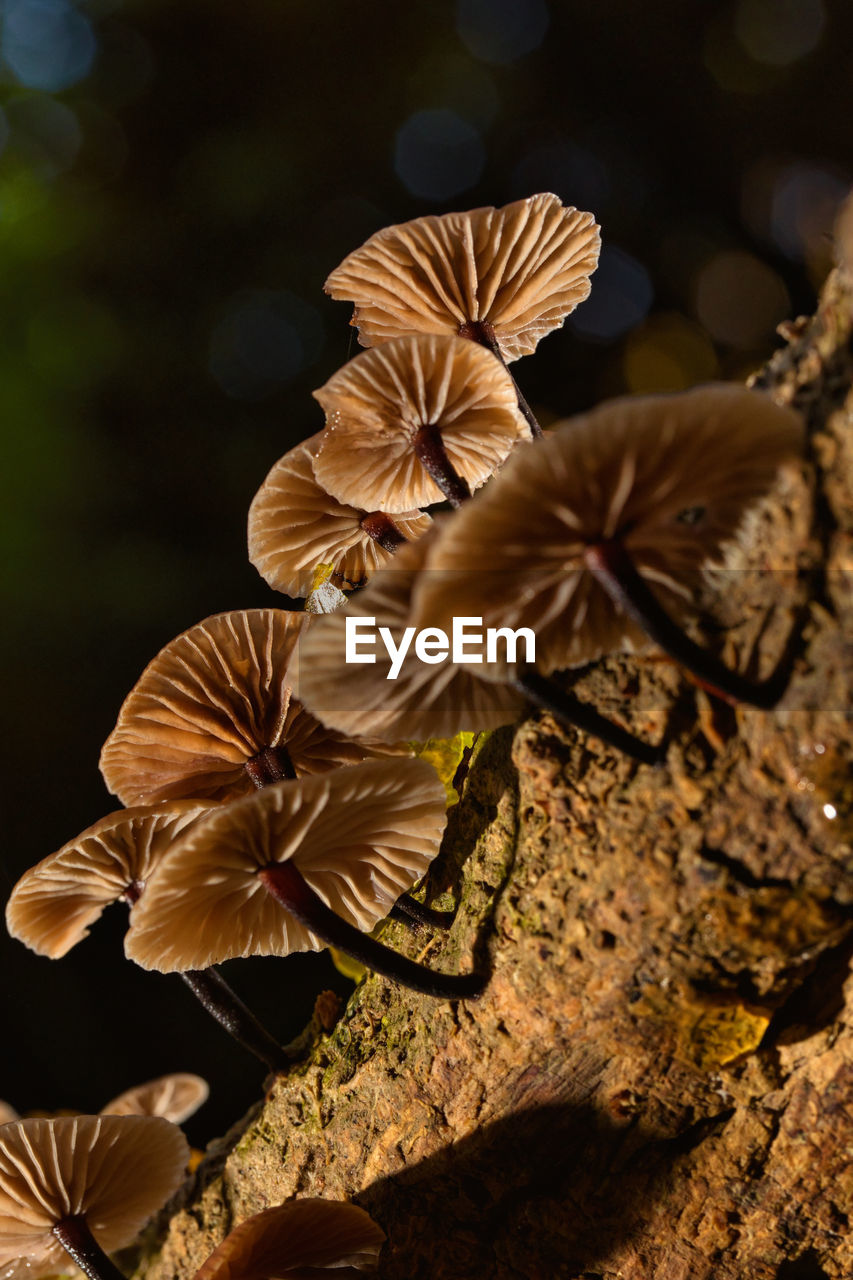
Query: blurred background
point(177, 178)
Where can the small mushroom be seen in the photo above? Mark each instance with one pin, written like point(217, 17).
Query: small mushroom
point(175, 1097)
point(212, 716)
point(7, 1113)
point(83, 1186)
point(294, 526)
point(295, 1241)
point(503, 277)
point(297, 866)
point(424, 700)
point(415, 421)
point(54, 904)
point(597, 537)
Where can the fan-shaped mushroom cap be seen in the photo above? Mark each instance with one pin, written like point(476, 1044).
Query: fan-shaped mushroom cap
point(669, 476)
point(290, 1241)
point(294, 526)
point(424, 701)
point(54, 904)
point(360, 837)
point(7, 1113)
point(174, 1097)
point(212, 700)
point(115, 1170)
point(377, 403)
point(521, 270)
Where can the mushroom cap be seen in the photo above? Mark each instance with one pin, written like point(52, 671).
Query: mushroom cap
point(669, 476)
point(290, 1241)
point(115, 1170)
point(7, 1113)
point(294, 526)
point(210, 701)
point(378, 402)
point(359, 836)
point(54, 904)
point(522, 269)
point(174, 1097)
point(424, 701)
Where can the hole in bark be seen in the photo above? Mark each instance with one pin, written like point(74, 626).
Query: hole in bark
point(806, 1267)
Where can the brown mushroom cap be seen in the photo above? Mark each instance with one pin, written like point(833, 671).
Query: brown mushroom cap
point(174, 1097)
point(360, 837)
point(423, 701)
point(54, 904)
point(670, 476)
point(115, 1170)
point(290, 1241)
point(209, 702)
point(521, 269)
point(7, 1113)
point(294, 526)
point(377, 403)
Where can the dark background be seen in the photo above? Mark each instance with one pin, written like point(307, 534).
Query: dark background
point(176, 180)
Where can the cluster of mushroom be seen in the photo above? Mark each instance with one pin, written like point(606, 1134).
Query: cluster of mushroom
point(273, 799)
point(84, 1186)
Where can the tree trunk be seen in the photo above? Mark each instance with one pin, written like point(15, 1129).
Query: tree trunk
point(658, 1081)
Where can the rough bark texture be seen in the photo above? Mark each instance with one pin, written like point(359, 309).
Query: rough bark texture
point(658, 1081)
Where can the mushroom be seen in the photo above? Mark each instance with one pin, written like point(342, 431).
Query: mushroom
point(83, 1186)
point(596, 538)
point(297, 866)
point(415, 421)
point(293, 1241)
point(175, 1097)
point(212, 716)
point(7, 1113)
point(424, 700)
point(294, 526)
point(503, 277)
point(54, 904)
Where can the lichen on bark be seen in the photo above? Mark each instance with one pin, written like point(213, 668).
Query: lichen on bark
point(658, 1081)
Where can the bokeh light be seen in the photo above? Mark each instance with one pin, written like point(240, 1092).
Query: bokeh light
point(792, 204)
point(740, 299)
point(668, 352)
point(621, 297)
point(47, 133)
point(500, 31)
point(779, 32)
point(47, 44)
point(262, 342)
point(437, 154)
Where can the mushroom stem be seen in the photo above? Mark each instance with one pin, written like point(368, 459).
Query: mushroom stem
point(270, 765)
point(408, 911)
point(612, 564)
point(223, 1004)
point(76, 1238)
point(565, 706)
point(481, 331)
point(430, 451)
point(287, 885)
point(382, 529)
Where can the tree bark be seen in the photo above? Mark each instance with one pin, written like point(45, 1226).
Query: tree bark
point(658, 1081)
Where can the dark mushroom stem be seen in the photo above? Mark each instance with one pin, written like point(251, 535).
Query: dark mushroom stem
point(382, 529)
point(76, 1238)
point(287, 885)
point(547, 695)
point(409, 911)
point(222, 1003)
point(430, 451)
point(615, 570)
point(273, 764)
point(481, 331)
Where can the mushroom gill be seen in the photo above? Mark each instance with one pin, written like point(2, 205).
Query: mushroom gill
point(213, 716)
point(299, 865)
point(507, 276)
point(416, 421)
point(295, 525)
